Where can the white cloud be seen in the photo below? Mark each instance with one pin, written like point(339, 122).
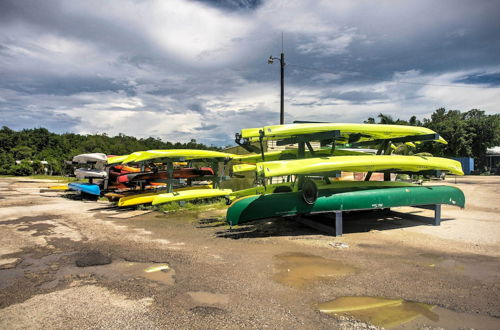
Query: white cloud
point(176, 68)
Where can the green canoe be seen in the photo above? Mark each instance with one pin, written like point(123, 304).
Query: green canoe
point(340, 199)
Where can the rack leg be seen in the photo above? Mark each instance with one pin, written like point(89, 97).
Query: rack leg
point(437, 214)
point(338, 223)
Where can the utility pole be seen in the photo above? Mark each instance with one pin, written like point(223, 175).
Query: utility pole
point(282, 71)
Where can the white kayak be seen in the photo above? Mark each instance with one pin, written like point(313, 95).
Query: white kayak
point(90, 158)
point(83, 173)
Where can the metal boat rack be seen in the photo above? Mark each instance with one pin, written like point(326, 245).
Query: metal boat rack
point(336, 219)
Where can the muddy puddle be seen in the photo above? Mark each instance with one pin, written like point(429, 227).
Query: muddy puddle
point(381, 312)
point(209, 298)
point(50, 268)
point(299, 269)
point(123, 270)
point(402, 314)
point(161, 273)
point(485, 270)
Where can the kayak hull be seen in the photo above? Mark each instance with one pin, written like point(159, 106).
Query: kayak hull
point(83, 173)
point(341, 199)
point(87, 188)
point(290, 186)
point(175, 154)
point(365, 131)
point(90, 158)
point(183, 173)
point(147, 198)
point(358, 164)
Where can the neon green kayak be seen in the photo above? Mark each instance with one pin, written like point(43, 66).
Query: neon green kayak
point(238, 168)
point(190, 195)
point(147, 198)
point(367, 132)
point(321, 184)
point(358, 164)
point(176, 154)
point(116, 159)
point(293, 153)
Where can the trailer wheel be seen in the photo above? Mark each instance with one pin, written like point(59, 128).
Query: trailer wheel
point(309, 192)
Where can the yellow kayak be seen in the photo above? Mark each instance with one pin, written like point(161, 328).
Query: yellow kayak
point(177, 154)
point(61, 187)
point(190, 195)
point(367, 132)
point(116, 159)
point(238, 168)
point(147, 198)
point(321, 184)
point(293, 153)
point(358, 164)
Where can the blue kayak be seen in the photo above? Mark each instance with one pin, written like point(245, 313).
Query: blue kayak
point(88, 188)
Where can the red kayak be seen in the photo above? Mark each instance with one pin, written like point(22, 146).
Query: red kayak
point(117, 170)
point(183, 173)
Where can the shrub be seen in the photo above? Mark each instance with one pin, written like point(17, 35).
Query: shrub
point(22, 169)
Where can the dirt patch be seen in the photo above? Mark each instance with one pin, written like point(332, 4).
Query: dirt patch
point(67, 309)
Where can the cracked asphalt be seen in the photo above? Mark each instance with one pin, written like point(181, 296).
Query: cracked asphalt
point(218, 278)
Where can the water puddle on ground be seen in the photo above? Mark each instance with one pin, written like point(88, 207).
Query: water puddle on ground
point(161, 273)
point(402, 314)
point(381, 312)
point(299, 269)
point(121, 270)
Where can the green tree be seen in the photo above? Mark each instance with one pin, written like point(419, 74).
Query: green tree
point(484, 132)
point(22, 152)
point(22, 169)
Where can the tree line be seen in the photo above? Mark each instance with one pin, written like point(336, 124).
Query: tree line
point(469, 133)
point(30, 146)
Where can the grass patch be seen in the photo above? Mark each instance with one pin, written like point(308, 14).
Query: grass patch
point(52, 177)
point(200, 205)
point(62, 179)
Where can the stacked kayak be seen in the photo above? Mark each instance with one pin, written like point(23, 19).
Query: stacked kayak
point(90, 166)
point(307, 186)
point(85, 188)
point(83, 173)
point(182, 173)
point(182, 180)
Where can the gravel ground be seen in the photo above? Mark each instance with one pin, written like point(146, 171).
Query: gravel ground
point(267, 274)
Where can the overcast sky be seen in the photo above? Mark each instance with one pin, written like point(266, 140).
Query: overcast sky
point(179, 69)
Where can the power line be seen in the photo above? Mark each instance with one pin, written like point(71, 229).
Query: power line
point(442, 85)
point(394, 81)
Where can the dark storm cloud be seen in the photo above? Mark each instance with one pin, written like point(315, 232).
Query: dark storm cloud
point(61, 19)
point(59, 60)
point(206, 127)
point(18, 118)
point(481, 78)
point(233, 4)
point(67, 85)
